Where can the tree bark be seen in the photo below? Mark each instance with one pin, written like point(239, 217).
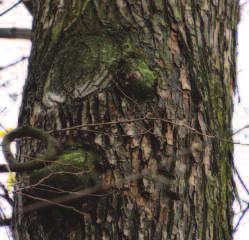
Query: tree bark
point(149, 85)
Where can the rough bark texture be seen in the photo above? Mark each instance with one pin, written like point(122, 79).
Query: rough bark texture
point(170, 66)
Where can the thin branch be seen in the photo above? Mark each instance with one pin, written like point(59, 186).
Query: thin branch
point(5, 222)
point(80, 194)
point(9, 9)
point(243, 4)
point(241, 129)
point(241, 181)
point(51, 175)
point(21, 33)
point(6, 195)
point(241, 217)
point(89, 191)
point(46, 202)
point(14, 63)
point(4, 128)
point(4, 167)
point(179, 124)
point(3, 109)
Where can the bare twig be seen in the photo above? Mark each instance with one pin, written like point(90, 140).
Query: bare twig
point(5, 222)
point(241, 129)
point(85, 192)
point(241, 181)
point(50, 175)
point(243, 4)
point(6, 195)
point(241, 217)
point(179, 124)
point(4, 128)
point(46, 202)
point(9, 9)
point(79, 194)
point(14, 63)
point(3, 110)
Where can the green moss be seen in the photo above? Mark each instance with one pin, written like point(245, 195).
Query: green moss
point(56, 30)
point(108, 52)
point(78, 156)
point(159, 2)
point(72, 170)
point(148, 75)
point(176, 10)
point(71, 159)
point(135, 76)
point(127, 46)
point(225, 190)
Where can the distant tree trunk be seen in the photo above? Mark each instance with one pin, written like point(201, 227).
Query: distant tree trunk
point(163, 72)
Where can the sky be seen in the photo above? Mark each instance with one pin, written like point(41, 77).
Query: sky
point(13, 78)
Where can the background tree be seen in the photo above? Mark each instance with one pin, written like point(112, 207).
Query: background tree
point(149, 85)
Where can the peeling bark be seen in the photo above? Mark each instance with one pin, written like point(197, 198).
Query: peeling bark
point(170, 66)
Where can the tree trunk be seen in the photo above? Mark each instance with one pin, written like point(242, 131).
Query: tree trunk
point(149, 86)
